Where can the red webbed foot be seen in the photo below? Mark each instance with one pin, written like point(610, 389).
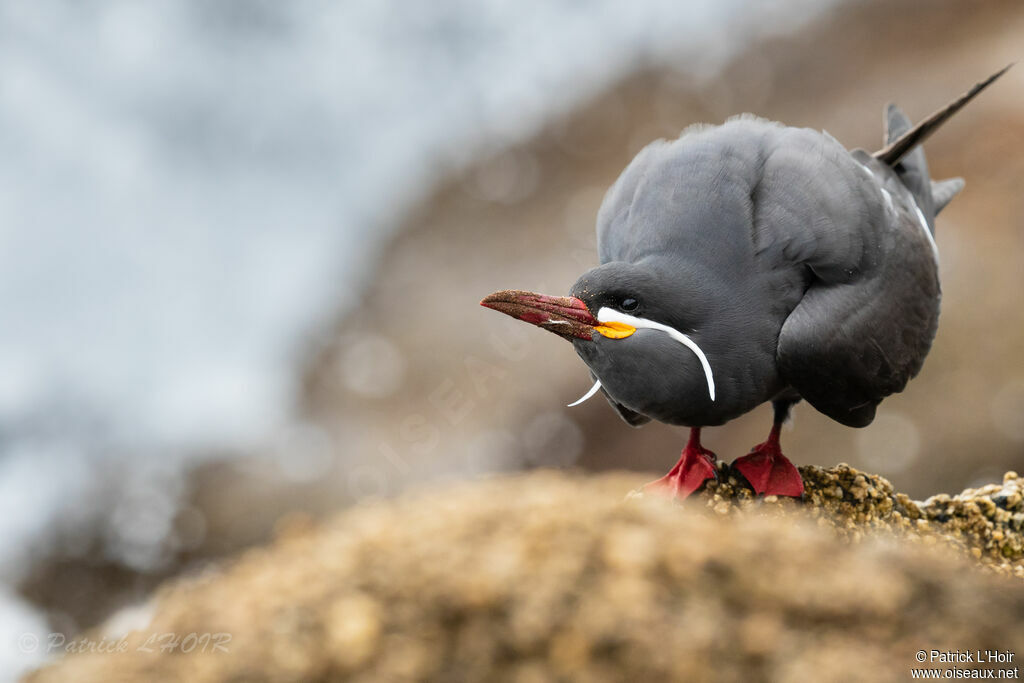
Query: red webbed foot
point(696, 465)
point(768, 470)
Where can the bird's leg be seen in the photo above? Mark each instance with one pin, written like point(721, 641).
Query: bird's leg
point(766, 468)
point(696, 465)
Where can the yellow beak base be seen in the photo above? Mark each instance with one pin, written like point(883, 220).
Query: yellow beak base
point(614, 330)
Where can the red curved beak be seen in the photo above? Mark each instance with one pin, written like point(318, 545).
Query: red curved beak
point(566, 316)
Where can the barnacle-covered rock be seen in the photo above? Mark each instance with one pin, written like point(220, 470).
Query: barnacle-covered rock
point(985, 523)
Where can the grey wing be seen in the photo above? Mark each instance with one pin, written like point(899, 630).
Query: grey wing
point(852, 341)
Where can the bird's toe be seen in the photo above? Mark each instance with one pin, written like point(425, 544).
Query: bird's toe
point(769, 472)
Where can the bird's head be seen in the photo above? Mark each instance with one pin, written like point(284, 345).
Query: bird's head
point(630, 327)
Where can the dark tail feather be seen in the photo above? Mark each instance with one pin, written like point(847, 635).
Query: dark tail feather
point(898, 148)
point(943, 192)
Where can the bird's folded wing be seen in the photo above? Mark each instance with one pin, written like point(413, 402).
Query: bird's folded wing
point(849, 344)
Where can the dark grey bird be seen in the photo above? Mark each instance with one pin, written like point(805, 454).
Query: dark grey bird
point(753, 262)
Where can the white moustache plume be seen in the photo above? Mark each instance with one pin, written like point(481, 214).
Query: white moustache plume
point(606, 315)
point(593, 390)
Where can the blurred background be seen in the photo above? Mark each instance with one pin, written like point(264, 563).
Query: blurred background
point(243, 245)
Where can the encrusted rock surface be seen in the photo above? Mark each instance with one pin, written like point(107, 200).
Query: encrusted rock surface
point(555, 577)
point(987, 522)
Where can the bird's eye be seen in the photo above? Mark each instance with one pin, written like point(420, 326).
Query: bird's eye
point(629, 304)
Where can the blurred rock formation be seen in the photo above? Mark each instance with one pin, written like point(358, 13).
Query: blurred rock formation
point(549, 577)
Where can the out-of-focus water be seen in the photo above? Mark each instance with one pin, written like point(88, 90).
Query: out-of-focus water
point(188, 188)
